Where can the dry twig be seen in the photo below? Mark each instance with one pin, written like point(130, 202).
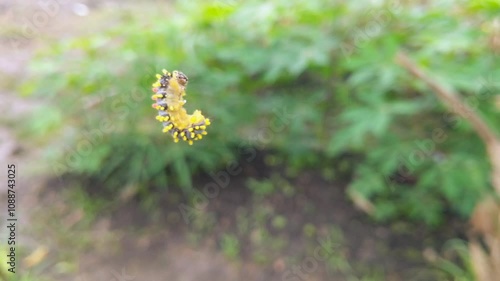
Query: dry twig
point(486, 216)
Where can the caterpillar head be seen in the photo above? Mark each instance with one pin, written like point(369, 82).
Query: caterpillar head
point(180, 77)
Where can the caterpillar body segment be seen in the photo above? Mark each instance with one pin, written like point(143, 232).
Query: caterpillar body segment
point(169, 91)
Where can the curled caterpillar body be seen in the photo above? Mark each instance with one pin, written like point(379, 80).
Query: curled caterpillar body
point(169, 90)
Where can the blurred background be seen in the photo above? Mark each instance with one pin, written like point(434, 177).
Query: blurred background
point(326, 159)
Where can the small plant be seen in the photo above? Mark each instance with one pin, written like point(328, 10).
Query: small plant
point(455, 264)
point(279, 222)
point(261, 187)
point(230, 246)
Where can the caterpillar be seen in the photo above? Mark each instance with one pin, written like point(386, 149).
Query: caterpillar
point(169, 90)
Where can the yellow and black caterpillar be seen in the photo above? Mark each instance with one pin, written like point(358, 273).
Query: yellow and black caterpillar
point(169, 90)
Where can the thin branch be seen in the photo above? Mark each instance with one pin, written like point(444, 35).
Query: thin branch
point(450, 99)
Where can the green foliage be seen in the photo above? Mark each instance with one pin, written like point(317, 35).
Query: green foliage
point(310, 80)
point(261, 188)
point(455, 264)
point(279, 222)
point(230, 246)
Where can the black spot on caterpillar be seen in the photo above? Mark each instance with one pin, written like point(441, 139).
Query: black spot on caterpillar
point(169, 90)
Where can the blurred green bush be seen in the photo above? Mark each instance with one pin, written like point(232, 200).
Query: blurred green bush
point(309, 80)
